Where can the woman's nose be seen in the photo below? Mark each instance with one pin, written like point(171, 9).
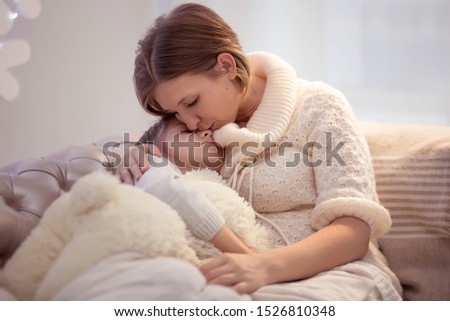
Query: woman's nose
point(191, 121)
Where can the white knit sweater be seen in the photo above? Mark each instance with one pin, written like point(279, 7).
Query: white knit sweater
point(304, 189)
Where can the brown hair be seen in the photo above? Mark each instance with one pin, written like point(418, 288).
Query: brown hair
point(188, 40)
point(153, 134)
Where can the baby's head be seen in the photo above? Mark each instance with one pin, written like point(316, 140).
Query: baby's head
point(186, 149)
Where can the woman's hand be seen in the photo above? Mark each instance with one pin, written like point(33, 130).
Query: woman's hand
point(246, 273)
point(345, 240)
point(134, 163)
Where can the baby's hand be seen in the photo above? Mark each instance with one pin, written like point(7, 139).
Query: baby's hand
point(135, 163)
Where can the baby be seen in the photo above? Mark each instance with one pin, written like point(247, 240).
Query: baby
point(186, 149)
point(183, 150)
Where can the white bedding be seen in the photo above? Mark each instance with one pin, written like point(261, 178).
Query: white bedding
point(132, 276)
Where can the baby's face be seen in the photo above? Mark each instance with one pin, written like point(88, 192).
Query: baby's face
point(190, 150)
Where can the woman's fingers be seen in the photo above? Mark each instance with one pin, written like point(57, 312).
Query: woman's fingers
point(220, 271)
point(228, 279)
point(210, 265)
point(245, 287)
point(228, 276)
point(245, 272)
point(226, 269)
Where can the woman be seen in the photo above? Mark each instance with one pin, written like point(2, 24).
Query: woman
point(291, 144)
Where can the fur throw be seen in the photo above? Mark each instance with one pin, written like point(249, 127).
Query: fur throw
point(100, 217)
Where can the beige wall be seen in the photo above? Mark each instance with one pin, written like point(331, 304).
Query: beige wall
point(77, 86)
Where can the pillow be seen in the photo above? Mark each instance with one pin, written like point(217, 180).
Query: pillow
point(412, 171)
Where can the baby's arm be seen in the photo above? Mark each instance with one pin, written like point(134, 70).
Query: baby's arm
point(226, 241)
point(198, 213)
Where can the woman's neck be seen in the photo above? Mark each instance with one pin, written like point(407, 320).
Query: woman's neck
point(251, 99)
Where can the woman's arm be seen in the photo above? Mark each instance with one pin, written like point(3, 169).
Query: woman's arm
point(344, 240)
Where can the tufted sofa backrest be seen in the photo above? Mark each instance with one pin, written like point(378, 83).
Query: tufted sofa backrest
point(28, 187)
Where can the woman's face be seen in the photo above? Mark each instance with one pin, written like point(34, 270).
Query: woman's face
point(190, 150)
point(200, 101)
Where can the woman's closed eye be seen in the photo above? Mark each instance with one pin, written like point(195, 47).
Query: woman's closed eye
point(193, 103)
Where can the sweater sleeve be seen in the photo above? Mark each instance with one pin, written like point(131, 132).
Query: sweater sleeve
point(339, 154)
point(198, 213)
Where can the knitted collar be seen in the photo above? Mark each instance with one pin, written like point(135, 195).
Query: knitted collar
point(269, 121)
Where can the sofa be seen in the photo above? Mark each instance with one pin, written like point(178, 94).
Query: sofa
point(412, 171)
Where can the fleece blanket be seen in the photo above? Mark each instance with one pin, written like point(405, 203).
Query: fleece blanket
point(100, 218)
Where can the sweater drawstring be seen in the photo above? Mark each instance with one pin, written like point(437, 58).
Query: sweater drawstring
point(279, 231)
point(236, 183)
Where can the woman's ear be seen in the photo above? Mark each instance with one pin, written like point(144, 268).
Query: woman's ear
point(225, 63)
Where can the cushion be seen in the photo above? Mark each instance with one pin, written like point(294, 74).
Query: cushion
point(412, 171)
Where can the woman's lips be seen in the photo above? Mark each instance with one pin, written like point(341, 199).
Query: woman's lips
point(209, 141)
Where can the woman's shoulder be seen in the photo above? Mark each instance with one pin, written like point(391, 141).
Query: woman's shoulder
point(318, 102)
